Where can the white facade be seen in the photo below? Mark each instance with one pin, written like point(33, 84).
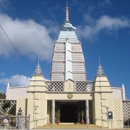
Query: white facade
point(15, 93)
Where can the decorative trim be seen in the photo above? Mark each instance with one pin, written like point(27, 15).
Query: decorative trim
point(70, 95)
point(61, 92)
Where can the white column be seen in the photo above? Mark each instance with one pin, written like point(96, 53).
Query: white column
point(87, 112)
point(53, 111)
point(68, 61)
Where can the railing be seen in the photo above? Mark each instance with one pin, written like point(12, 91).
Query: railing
point(113, 124)
point(48, 119)
point(15, 122)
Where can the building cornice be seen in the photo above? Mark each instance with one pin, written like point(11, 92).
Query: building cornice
point(55, 92)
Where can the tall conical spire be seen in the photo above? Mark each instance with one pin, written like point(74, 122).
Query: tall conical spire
point(100, 70)
point(67, 9)
point(73, 66)
point(38, 70)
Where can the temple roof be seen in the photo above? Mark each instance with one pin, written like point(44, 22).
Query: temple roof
point(64, 34)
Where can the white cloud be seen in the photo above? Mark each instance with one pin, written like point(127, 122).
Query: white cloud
point(104, 3)
point(16, 80)
point(88, 19)
point(1, 91)
point(4, 4)
point(107, 1)
point(30, 38)
point(105, 22)
point(90, 8)
point(112, 23)
point(2, 73)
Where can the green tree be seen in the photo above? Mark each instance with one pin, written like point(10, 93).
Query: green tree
point(6, 104)
point(2, 95)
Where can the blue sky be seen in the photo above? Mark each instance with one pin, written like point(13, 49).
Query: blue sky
point(103, 27)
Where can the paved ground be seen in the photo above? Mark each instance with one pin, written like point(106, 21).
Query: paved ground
point(67, 129)
point(73, 129)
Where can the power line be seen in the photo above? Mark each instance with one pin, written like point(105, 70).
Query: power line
point(15, 48)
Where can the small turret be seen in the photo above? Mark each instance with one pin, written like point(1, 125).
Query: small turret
point(37, 82)
point(101, 82)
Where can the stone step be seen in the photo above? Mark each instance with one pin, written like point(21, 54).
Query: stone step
point(50, 126)
point(88, 128)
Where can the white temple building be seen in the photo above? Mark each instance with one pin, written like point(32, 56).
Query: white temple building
point(69, 90)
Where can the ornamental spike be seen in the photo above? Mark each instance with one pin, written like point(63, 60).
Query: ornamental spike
point(38, 70)
point(100, 70)
point(67, 9)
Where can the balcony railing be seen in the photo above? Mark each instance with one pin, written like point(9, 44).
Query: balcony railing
point(79, 86)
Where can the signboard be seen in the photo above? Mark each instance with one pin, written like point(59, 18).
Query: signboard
point(110, 115)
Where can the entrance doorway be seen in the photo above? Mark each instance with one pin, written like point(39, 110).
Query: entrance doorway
point(69, 113)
